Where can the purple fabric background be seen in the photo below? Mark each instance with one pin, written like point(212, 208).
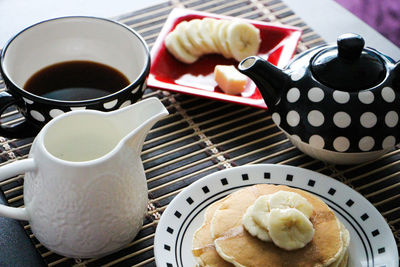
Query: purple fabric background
point(382, 15)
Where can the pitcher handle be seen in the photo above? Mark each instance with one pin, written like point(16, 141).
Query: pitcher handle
point(10, 170)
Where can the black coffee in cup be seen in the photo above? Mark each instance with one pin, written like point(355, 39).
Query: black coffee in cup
point(49, 69)
point(76, 80)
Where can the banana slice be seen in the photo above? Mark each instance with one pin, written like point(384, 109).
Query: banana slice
point(180, 30)
point(206, 28)
point(193, 34)
point(289, 228)
point(261, 211)
point(252, 227)
point(194, 38)
point(176, 49)
point(215, 36)
point(286, 199)
point(222, 37)
point(244, 39)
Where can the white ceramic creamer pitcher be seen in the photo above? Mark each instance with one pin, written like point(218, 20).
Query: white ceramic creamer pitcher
point(85, 190)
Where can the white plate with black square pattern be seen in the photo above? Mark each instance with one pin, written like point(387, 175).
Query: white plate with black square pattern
point(372, 242)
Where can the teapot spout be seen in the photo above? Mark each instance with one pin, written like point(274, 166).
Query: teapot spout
point(269, 79)
point(135, 121)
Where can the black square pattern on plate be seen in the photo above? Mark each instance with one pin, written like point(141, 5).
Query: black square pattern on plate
point(375, 232)
point(267, 175)
point(169, 265)
point(381, 250)
point(205, 189)
point(245, 177)
point(170, 230)
point(332, 191)
point(166, 247)
point(177, 214)
point(311, 183)
point(224, 181)
point(364, 217)
point(189, 200)
point(289, 177)
point(349, 202)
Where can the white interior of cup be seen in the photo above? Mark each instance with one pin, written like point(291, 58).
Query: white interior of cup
point(74, 38)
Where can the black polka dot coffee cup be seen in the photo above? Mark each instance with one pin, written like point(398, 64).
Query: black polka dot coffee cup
point(339, 103)
point(31, 61)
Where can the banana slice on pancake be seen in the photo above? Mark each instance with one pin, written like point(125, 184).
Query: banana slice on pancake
point(254, 228)
point(285, 199)
point(289, 228)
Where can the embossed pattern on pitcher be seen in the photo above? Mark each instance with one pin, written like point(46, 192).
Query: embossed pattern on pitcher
point(106, 202)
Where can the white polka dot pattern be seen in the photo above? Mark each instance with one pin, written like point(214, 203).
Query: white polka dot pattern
point(368, 119)
point(389, 142)
point(391, 119)
point(77, 108)
point(298, 74)
point(341, 144)
point(296, 137)
point(276, 118)
point(110, 104)
point(316, 94)
point(28, 101)
point(388, 94)
point(293, 118)
point(37, 115)
point(55, 112)
point(366, 97)
point(366, 143)
point(43, 110)
point(144, 86)
point(337, 120)
point(341, 97)
point(341, 119)
point(316, 141)
point(134, 91)
point(315, 118)
point(126, 103)
point(293, 95)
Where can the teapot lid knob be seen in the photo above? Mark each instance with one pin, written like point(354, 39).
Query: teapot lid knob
point(348, 66)
point(350, 46)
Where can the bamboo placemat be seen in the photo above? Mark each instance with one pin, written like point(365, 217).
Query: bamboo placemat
point(201, 136)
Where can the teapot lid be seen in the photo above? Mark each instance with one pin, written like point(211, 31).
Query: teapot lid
point(348, 66)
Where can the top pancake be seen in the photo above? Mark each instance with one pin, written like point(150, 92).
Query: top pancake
point(236, 245)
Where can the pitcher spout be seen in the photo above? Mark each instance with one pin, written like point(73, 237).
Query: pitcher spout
point(269, 79)
point(135, 121)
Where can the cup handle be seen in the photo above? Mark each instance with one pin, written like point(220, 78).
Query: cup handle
point(20, 130)
point(11, 170)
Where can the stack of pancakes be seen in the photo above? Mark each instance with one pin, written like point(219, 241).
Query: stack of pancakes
point(223, 241)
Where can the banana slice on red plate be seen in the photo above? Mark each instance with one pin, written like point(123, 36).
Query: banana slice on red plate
point(178, 50)
point(197, 37)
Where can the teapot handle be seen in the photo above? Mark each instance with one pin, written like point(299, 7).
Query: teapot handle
point(11, 170)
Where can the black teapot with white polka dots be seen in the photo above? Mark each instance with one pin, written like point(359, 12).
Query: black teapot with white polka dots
point(339, 103)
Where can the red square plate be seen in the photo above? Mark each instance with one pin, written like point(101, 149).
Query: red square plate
point(278, 44)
